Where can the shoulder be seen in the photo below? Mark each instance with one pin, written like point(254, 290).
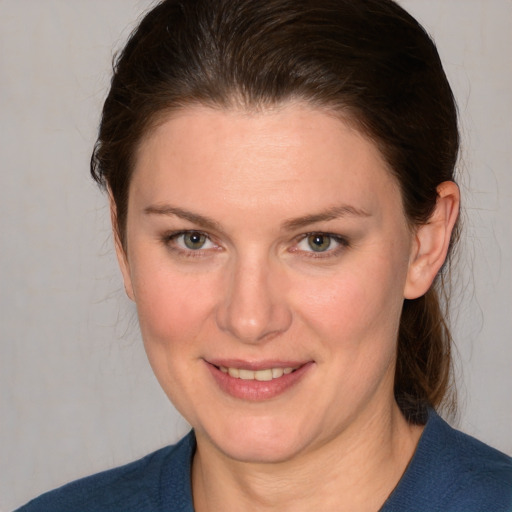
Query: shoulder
point(452, 472)
point(144, 485)
point(476, 474)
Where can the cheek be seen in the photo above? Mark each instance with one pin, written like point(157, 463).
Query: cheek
point(173, 308)
point(360, 301)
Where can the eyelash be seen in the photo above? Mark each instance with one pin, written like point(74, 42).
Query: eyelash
point(169, 241)
point(342, 242)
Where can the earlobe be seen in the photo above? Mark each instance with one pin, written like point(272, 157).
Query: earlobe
point(122, 257)
point(432, 241)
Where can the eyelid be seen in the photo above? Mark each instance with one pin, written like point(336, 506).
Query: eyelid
point(341, 241)
point(169, 237)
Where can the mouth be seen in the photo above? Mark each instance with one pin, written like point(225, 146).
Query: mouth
point(257, 382)
point(264, 375)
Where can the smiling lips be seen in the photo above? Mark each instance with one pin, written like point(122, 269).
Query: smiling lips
point(257, 384)
point(260, 375)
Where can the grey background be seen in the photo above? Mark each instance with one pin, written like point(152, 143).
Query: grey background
point(76, 393)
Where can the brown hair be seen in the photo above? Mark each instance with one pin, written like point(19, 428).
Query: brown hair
point(368, 60)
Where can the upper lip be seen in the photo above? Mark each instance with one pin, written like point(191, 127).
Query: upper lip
point(255, 365)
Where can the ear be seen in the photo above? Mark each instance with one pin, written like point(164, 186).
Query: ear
point(122, 257)
point(431, 242)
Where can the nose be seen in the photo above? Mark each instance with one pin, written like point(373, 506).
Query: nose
point(253, 307)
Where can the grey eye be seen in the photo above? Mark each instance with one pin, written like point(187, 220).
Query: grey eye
point(318, 242)
point(194, 240)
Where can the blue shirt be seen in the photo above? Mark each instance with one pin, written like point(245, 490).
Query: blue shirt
point(449, 472)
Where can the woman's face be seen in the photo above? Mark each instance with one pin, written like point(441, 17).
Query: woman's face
point(267, 254)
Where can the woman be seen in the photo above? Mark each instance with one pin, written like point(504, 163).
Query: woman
point(281, 179)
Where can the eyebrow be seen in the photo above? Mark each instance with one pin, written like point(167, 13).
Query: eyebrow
point(200, 220)
point(333, 213)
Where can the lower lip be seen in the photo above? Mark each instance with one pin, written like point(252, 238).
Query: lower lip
point(255, 390)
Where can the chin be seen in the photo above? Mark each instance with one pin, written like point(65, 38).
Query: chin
point(260, 451)
point(259, 441)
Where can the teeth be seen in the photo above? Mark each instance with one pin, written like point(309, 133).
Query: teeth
point(277, 372)
point(234, 372)
point(246, 374)
point(261, 375)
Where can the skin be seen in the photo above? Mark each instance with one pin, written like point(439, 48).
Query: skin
point(256, 291)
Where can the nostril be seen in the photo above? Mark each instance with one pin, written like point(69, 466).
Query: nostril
point(253, 308)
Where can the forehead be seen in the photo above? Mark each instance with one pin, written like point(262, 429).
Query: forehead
point(289, 154)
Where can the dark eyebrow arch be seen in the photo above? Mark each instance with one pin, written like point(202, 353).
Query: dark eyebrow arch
point(332, 213)
point(205, 222)
point(200, 220)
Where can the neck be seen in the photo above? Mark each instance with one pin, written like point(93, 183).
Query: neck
point(354, 471)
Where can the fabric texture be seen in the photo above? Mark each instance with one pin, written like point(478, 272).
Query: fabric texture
point(449, 472)
point(453, 472)
point(159, 482)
